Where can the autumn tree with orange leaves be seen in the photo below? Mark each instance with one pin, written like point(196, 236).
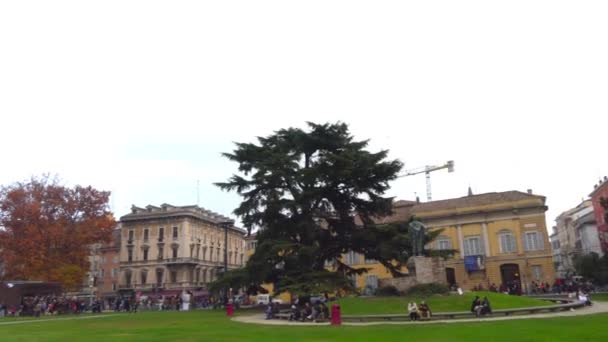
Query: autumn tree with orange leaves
point(46, 230)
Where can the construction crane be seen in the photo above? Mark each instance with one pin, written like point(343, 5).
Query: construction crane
point(427, 170)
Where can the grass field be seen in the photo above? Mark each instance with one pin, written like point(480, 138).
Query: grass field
point(395, 305)
point(214, 326)
point(600, 297)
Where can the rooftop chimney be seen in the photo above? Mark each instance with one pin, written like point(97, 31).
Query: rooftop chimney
point(470, 191)
point(417, 199)
point(530, 191)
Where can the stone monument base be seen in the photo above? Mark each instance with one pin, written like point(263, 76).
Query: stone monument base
point(421, 270)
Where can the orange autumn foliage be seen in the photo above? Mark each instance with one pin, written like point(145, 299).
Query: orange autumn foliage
point(46, 230)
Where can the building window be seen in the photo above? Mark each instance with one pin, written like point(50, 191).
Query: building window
point(130, 240)
point(129, 255)
point(537, 272)
point(533, 241)
point(113, 286)
point(370, 261)
point(161, 234)
point(211, 254)
point(115, 259)
point(161, 252)
point(174, 277)
point(443, 243)
point(159, 278)
point(353, 280)
point(144, 277)
point(508, 244)
point(103, 260)
point(352, 258)
point(175, 233)
point(473, 246)
point(242, 259)
point(114, 272)
point(175, 252)
point(371, 282)
point(191, 251)
point(146, 234)
point(103, 273)
point(146, 254)
point(128, 278)
point(217, 254)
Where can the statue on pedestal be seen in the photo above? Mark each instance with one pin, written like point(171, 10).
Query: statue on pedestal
point(417, 234)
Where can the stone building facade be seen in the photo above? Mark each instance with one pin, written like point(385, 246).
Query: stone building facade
point(173, 248)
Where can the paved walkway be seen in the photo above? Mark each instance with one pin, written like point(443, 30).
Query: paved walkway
point(53, 319)
point(598, 307)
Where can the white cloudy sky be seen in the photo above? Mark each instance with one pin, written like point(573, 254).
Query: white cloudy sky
point(141, 97)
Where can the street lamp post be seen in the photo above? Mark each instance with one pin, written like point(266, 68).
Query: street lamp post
point(226, 225)
point(91, 281)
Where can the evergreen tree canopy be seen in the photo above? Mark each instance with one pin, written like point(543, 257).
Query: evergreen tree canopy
point(314, 195)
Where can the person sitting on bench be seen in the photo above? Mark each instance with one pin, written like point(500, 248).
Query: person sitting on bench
point(425, 311)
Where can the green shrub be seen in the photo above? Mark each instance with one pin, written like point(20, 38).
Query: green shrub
point(425, 290)
point(387, 291)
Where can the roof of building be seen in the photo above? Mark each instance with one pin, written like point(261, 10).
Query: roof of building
point(403, 210)
point(598, 187)
point(167, 210)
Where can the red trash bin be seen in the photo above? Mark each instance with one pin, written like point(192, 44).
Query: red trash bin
point(336, 318)
point(229, 310)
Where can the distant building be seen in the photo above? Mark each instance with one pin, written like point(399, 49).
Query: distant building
point(560, 271)
point(576, 234)
point(169, 248)
point(601, 191)
point(108, 268)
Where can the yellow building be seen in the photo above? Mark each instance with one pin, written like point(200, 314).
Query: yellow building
point(500, 238)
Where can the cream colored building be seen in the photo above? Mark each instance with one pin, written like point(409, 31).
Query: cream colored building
point(170, 248)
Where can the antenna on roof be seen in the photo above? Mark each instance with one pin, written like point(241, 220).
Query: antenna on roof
point(198, 199)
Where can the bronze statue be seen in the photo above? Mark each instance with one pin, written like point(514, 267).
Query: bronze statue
point(417, 233)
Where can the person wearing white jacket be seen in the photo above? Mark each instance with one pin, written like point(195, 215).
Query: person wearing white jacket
point(412, 308)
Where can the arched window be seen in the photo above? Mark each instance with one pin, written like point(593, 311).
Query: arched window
point(508, 243)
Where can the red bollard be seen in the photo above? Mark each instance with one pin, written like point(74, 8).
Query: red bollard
point(336, 317)
point(229, 310)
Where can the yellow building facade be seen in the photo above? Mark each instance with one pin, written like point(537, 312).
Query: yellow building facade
point(501, 238)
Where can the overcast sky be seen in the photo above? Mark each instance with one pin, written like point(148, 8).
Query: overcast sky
point(141, 97)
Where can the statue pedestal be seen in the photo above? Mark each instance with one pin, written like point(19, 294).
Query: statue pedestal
point(421, 270)
point(428, 270)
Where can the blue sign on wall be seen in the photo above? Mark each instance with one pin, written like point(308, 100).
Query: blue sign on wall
point(473, 263)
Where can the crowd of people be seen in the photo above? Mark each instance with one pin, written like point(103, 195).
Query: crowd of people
point(49, 305)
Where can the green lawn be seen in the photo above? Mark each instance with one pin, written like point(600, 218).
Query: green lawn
point(600, 297)
point(394, 305)
point(214, 326)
